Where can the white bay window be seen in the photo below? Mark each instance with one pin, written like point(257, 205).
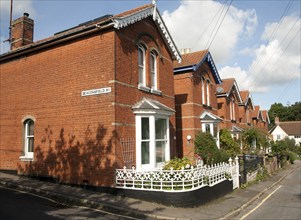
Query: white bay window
point(152, 134)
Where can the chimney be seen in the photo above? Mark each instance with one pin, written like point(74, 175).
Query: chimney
point(185, 51)
point(277, 120)
point(21, 32)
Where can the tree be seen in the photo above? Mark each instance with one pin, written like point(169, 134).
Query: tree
point(285, 149)
point(254, 139)
point(285, 113)
point(228, 144)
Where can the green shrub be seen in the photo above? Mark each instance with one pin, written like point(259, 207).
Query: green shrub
point(292, 157)
point(205, 146)
point(178, 163)
point(228, 144)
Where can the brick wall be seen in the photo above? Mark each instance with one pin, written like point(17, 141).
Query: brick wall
point(77, 139)
point(189, 107)
point(74, 136)
point(127, 92)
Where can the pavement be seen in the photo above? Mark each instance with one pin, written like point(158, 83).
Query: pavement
point(226, 207)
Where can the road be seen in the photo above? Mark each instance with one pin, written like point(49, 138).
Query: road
point(15, 205)
point(283, 201)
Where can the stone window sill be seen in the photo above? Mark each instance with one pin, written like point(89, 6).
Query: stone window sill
point(26, 158)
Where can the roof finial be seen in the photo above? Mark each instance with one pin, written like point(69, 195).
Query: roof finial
point(154, 2)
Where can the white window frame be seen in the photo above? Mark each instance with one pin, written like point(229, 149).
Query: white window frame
point(28, 155)
point(141, 66)
point(152, 142)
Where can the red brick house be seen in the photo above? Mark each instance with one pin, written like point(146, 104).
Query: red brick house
point(228, 100)
point(196, 79)
point(245, 109)
point(90, 99)
point(266, 121)
point(261, 119)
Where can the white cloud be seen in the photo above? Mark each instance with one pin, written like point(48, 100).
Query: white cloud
point(276, 62)
point(19, 7)
point(194, 23)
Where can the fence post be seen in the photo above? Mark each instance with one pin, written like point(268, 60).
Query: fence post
point(237, 171)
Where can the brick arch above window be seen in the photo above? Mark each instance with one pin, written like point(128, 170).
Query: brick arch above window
point(28, 117)
point(143, 37)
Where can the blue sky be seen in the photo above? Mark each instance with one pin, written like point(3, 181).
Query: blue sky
point(256, 41)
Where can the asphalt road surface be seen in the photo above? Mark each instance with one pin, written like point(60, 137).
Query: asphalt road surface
point(283, 201)
point(15, 205)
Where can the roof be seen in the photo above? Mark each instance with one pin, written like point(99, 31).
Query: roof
point(193, 61)
point(255, 112)
point(227, 86)
point(246, 98)
point(209, 116)
point(151, 106)
point(291, 128)
point(244, 95)
point(265, 115)
point(118, 21)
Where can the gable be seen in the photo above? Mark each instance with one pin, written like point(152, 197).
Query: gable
point(135, 15)
point(193, 61)
point(151, 106)
point(210, 117)
point(229, 87)
point(278, 131)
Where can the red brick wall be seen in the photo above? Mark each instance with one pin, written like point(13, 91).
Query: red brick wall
point(127, 92)
point(74, 136)
point(224, 112)
point(189, 107)
point(77, 139)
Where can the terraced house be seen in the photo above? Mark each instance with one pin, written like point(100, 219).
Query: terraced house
point(196, 80)
point(228, 99)
point(90, 99)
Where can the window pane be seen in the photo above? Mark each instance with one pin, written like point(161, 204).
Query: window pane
point(160, 151)
point(30, 144)
point(140, 57)
point(160, 128)
point(141, 63)
point(145, 128)
point(145, 152)
point(153, 62)
point(207, 128)
point(30, 125)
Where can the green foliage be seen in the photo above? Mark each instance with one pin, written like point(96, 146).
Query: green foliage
point(285, 149)
point(205, 146)
point(292, 157)
point(178, 163)
point(262, 174)
point(253, 136)
point(228, 144)
point(285, 113)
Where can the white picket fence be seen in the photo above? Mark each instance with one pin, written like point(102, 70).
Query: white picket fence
point(178, 180)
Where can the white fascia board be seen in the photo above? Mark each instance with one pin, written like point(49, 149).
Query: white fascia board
point(121, 22)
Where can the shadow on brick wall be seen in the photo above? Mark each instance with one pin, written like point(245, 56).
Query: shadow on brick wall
point(66, 159)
